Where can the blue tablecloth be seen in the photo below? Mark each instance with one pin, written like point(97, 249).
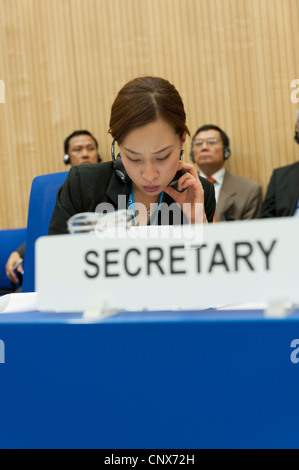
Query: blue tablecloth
point(162, 380)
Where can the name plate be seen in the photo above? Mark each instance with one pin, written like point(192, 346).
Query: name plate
point(247, 261)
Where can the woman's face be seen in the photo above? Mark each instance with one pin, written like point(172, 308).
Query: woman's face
point(150, 155)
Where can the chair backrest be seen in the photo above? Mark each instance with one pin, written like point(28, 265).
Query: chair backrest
point(41, 204)
point(10, 240)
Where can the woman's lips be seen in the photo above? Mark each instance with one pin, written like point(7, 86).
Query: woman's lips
point(151, 189)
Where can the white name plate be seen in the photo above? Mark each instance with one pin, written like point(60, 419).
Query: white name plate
point(247, 261)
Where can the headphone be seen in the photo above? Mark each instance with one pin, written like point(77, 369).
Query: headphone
point(296, 136)
point(119, 167)
point(66, 158)
point(224, 138)
point(226, 153)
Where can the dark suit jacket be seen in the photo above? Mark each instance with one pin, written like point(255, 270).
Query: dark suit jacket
point(239, 199)
point(21, 250)
point(282, 193)
point(87, 186)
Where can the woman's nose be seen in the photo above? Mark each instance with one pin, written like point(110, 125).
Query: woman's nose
point(149, 172)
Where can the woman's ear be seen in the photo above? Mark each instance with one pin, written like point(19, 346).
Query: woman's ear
point(183, 140)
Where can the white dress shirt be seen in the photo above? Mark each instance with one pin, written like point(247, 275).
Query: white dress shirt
point(296, 213)
point(218, 176)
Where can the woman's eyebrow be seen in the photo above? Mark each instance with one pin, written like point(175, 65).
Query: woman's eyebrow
point(154, 153)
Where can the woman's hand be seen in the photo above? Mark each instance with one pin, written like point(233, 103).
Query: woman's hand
point(191, 201)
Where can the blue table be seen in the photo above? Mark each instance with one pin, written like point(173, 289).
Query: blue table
point(172, 380)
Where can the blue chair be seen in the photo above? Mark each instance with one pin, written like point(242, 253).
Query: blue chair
point(10, 240)
point(41, 204)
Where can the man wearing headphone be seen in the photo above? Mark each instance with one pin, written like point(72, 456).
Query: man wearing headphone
point(282, 196)
point(237, 198)
point(80, 148)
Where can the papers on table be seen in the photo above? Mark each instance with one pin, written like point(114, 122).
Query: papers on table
point(21, 302)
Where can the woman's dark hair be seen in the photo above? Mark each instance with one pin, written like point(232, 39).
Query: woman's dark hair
point(143, 100)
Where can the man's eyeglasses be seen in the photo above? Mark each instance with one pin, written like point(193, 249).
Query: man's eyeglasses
point(209, 141)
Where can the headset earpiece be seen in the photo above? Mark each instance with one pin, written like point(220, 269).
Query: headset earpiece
point(118, 165)
point(226, 153)
point(66, 159)
point(296, 136)
point(120, 169)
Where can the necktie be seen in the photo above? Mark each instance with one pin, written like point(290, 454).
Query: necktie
point(212, 180)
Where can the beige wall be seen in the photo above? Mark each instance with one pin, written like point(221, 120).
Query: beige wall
point(63, 61)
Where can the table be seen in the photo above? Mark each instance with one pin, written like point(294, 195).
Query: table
point(152, 380)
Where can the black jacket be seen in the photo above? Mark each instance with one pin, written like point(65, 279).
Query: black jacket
point(87, 186)
point(282, 193)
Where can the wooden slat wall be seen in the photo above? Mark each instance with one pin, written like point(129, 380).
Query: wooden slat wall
point(63, 61)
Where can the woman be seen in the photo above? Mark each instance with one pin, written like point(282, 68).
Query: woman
point(148, 124)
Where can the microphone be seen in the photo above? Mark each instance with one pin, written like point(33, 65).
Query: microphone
point(296, 136)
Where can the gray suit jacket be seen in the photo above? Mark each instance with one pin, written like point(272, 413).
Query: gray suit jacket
point(239, 199)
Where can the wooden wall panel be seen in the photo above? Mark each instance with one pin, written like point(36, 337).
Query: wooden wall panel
point(40, 98)
point(63, 62)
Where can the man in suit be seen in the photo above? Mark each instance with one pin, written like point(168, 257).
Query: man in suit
point(282, 197)
point(80, 148)
point(237, 197)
